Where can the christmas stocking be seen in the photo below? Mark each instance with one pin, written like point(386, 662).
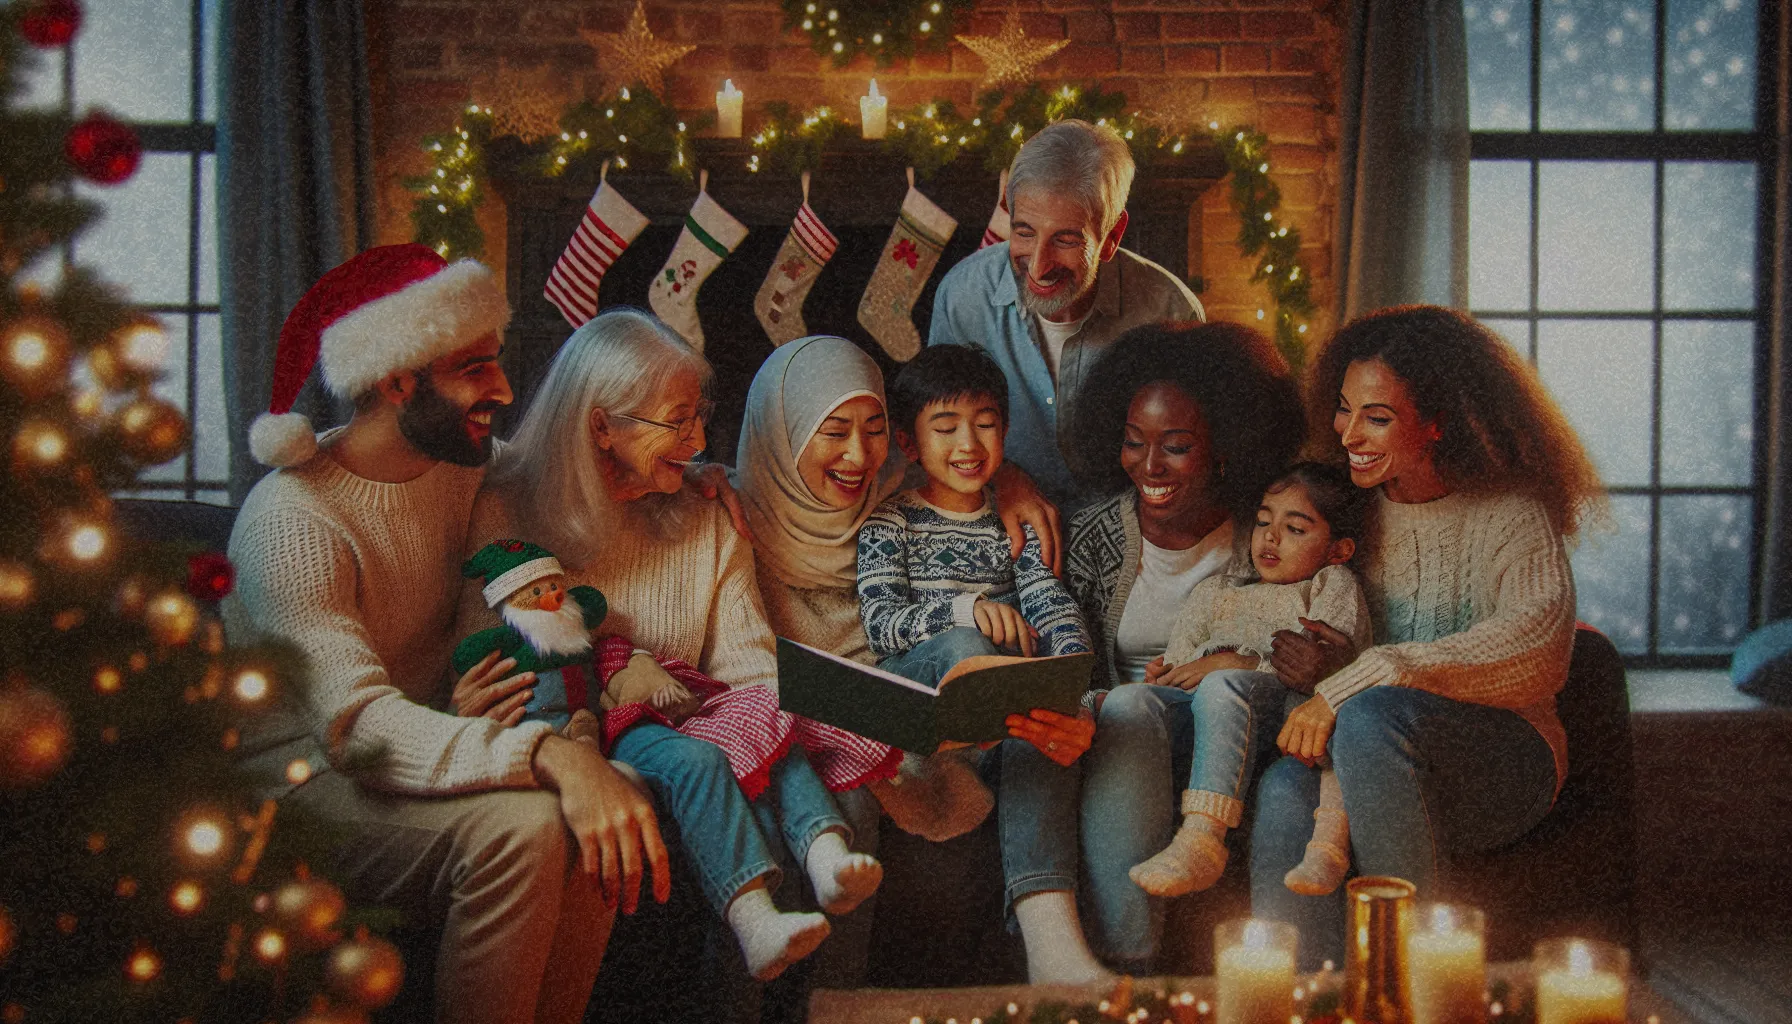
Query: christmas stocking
point(710, 234)
point(909, 258)
point(997, 231)
point(610, 224)
point(806, 249)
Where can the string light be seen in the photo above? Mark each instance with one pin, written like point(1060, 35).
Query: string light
point(204, 837)
point(251, 685)
point(144, 965)
point(186, 898)
point(270, 945)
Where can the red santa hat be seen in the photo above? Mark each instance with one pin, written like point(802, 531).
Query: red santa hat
point(392, 308)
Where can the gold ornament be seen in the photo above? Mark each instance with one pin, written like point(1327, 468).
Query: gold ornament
point(1009, 57)
point(39, 446)
point(522, 102)
point(104, 366)
point(366, 971)
point(142, 345)
point(151, 431)
point(172, 618)
point(633, 56)
point(309, 909)
point(34, 736)
point(34, 354)
point(16, 586)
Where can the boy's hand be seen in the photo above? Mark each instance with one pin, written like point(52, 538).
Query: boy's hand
point(1005, 626)
point(1020, 503)
point(1307, 730)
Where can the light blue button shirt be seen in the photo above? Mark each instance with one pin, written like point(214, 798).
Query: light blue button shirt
point(978, 304)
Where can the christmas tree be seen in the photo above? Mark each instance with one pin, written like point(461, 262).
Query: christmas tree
point(140, 880)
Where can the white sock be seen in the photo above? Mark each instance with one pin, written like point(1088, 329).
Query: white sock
point(842, 879)
point(772, 941)
point(1057, 953)
point(1327, 858)
point(1194, 860)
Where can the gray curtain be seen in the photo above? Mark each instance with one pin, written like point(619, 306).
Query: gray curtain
point(295, 182)
point(1402, 231)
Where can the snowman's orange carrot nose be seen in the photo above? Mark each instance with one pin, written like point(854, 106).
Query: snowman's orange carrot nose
point(552, 600)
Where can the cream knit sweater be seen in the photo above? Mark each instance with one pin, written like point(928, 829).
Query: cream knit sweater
point(1471, 598)
point(692, 597)
point(363, 577)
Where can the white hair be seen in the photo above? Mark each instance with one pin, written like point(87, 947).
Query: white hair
point(620, 361)
point(1087, 162)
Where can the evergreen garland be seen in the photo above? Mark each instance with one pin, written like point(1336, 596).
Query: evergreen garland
point(887, 30)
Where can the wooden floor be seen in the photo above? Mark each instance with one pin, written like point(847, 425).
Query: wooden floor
point(1714, 810)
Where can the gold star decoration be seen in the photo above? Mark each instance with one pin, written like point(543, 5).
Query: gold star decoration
point(634, 55)
point(1009, 56)
point(522, 102)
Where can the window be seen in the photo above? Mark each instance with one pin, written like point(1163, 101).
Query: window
point(150, 62)
point(1622, 155)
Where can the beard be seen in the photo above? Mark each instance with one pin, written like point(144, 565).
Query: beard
point(1046, 308)
point(561, 631)
point(437, 427)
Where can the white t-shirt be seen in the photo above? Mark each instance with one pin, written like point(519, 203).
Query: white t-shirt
point(1165, 581)
point(1054, 337)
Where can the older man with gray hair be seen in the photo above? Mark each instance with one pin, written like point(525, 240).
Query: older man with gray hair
point(1046, 303)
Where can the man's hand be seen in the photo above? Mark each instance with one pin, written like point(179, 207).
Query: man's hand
point(1303, 660)
point(486, 692)
point(710, 479)
point(1307, 730)
point(1021, 504)
point(1189, 674)
point(1005, 626)
point(613, 822)
point(1063, 738)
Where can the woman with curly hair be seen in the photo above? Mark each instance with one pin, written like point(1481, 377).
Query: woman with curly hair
point(1444, 733)
point(1184, 424)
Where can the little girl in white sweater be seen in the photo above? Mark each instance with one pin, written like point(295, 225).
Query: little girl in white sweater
point(1307, 528)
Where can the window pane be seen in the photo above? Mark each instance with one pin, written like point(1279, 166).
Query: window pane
point(1595, 236)
point(140, 240)
point(1708, 234)
point(1499, 64)
point(1598, 65)
point(1705, 548)
point(208, 62)
point(43, 83)
point(1707, 403)
point(1517, 334)
point(172, 387)
point(136, 59)
point(1599, 372)
point(208, 229)
point(211, 430)
point(1611, 576)
point(1711, 64)
point(1499, 234)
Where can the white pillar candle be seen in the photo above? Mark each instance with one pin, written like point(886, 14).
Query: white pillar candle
point(728, 104)
point(1255, 976)
point(874, 113)
point(1446, 967)
point(1579, 992)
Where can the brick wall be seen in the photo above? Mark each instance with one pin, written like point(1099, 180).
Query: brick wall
point(1271, 63)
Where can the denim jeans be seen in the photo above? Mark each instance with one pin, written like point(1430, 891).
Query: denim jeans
point(928, 661)
point(1424, 777)
point(1237, 714)
point(724, 834)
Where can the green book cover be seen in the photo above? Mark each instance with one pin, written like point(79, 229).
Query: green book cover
point(971, 705)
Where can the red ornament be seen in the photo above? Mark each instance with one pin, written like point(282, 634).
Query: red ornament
point(103, 149)
point(50, 23)
point(210, 576)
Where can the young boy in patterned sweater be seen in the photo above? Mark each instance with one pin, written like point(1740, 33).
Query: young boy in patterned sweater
point(937, 582)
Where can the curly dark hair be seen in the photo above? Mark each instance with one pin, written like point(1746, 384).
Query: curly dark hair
point(1234, 374)
point(1500, 430)
point(1343, 505)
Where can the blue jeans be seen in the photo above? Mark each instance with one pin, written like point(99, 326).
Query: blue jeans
point(1424, 777)
point(1237, 714)
point(928, 661)
point(723, 833)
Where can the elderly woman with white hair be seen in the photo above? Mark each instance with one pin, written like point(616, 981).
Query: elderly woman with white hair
point(595, 473)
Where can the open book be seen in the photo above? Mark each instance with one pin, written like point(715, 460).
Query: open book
point(970, 706)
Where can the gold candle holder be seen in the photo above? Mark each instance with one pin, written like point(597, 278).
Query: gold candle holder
point(1375, 982)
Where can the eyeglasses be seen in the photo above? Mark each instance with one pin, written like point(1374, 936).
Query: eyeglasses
point(685, 428)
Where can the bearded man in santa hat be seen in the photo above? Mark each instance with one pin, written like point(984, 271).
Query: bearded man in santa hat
point(519, 843)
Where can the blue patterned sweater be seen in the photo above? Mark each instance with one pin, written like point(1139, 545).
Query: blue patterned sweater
point(921, 568)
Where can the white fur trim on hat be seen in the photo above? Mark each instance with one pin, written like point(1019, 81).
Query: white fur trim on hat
point(412, 327)
point(518, 577)
point(282, 439)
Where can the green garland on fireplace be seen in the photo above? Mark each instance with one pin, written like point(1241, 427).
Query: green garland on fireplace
point(637, 127)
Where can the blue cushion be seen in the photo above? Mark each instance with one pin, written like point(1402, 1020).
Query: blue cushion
point(1762, 665)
